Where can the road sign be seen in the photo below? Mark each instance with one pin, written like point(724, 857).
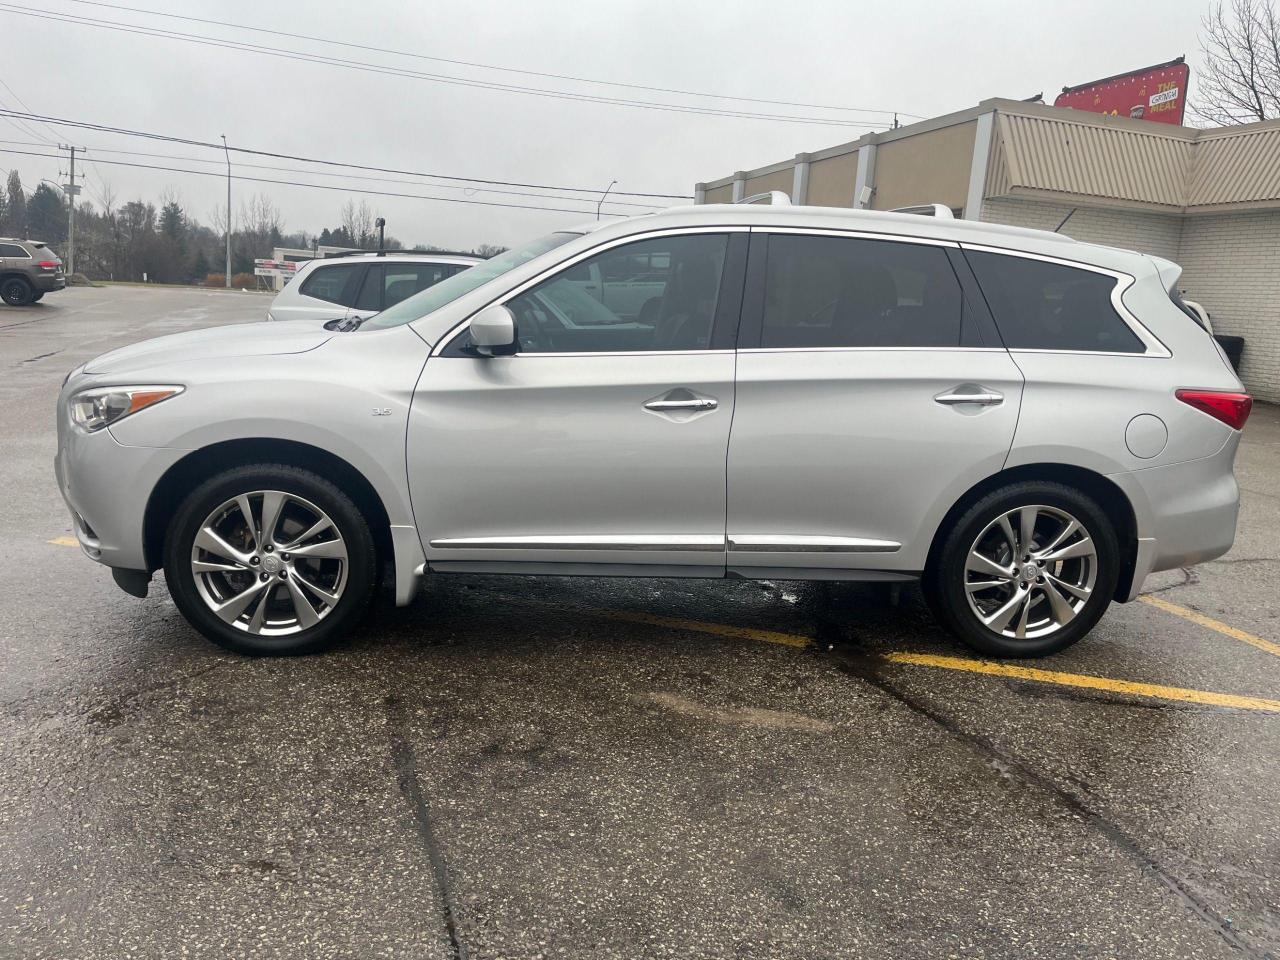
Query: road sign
point(275, 268)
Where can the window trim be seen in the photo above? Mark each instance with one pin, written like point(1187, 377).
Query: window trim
point(26, 254)
point(751, 329)
point(460, 329)
point(1154, 347)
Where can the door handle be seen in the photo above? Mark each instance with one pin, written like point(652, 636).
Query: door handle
point(697, 403)
point(984, 397)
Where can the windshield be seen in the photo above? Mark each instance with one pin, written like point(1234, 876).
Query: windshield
point(450, 289)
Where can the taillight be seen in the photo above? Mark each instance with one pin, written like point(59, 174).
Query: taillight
point(1231, 408)
point(49, 264)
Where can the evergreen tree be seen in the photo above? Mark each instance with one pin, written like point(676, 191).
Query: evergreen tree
point(4, 215)
point(46, 215)
point(17, 204)
point(200, 267)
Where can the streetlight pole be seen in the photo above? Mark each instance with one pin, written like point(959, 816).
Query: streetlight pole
point(602, 197)
point(227, 154)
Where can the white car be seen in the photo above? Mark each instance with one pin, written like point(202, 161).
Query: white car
point(358, 285)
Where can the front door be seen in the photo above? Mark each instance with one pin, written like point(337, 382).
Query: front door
point(600, 445)
point(872, 392)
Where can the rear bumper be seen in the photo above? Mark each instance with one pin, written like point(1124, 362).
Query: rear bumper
point(46, 282)
point(1186, 512)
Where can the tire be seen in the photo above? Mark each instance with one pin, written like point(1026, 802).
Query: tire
point(15, 291)
point(1084, 582)
point(37, 297)
point(334, 580)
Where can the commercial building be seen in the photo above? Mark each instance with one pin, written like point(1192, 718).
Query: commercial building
point(1208, 199)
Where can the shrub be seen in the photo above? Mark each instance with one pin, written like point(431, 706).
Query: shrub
point(247, 280)
point(215, 280)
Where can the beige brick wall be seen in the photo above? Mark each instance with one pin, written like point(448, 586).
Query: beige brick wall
point(1154, 233)
point(1230, 262)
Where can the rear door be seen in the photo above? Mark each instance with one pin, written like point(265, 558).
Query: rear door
point(325, 293)
point(872, 391)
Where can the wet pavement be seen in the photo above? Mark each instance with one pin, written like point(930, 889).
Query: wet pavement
point(529, 768)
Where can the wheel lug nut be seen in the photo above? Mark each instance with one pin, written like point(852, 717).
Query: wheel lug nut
point(284, 556)
point(268, 548)
point(254, 560)
point(265, 576)
point(284, 574)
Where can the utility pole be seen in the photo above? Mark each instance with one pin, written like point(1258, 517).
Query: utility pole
point(71, 190)
point(227, 154)
point(381, 224)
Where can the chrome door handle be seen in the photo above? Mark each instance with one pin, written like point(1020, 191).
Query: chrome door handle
point(698, 403)
point(988, 398)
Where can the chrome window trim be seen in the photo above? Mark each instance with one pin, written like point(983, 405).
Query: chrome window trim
point(660, 542)
point(777, 543)
point(447, 340)
point(622, 353)
point(857, 235)
point(876, 350)
point(1155, 347)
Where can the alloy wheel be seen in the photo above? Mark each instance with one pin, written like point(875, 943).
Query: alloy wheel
point(1030, 572)
point(269, 563)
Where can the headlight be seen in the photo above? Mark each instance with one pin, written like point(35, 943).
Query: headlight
point(91, 410)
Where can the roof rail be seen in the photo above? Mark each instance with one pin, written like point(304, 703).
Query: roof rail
point(939, 210)
point(775, 197)
point(398, 253)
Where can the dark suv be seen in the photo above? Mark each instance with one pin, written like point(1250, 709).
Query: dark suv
point(28, 270)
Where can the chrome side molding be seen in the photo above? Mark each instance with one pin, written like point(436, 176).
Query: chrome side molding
point(774, 543)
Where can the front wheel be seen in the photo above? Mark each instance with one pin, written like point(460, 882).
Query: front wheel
point(1026, 571)
point(270, 560)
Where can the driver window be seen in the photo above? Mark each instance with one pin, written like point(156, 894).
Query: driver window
point(657, 294)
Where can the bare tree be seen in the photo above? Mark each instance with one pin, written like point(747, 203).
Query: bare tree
point(358, 221)
point(1240, 72)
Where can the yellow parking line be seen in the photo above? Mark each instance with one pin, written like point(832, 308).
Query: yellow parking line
point(1186, 613)
point(1083, 680)
point(988, 667)
point(64, 542)
point(719, 629)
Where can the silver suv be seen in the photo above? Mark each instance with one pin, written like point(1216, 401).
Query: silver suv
point(355, 286)
point(1026, 424)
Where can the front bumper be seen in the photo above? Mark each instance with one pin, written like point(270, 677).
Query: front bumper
point(1186, 512)
point(106, 486)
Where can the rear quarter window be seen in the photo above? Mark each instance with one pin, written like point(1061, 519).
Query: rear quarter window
point(1049, 306)
point(334, 284)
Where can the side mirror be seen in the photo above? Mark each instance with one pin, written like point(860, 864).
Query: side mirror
point(493, 332)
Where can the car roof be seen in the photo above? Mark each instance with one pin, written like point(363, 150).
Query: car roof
point(425, 256)
point(970, 232)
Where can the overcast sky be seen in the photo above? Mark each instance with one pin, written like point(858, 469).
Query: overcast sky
point(919, 57)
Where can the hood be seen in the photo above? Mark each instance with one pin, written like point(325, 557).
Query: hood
point(236, 340)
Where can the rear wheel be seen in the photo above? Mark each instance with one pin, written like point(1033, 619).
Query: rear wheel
point(1026, 571)
point(15, 291)
point(38, 296)
point(270, 560)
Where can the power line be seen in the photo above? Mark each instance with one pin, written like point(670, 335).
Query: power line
point(366, 67)
point(123, 131)
point(488, 66)
point(326, 186)
point(348, 176)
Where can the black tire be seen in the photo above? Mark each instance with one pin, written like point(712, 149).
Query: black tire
point(944, 582)
point(37, 297)
point(15, 291)
point(361, 565)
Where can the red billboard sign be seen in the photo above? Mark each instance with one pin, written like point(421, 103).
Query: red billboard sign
point(1156, 93)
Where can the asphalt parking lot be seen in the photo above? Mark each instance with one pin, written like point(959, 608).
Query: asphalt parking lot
point(519, 768)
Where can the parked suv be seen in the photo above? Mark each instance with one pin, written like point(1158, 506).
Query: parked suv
point(28, 270)
point(356, 286)
point(1026, 424)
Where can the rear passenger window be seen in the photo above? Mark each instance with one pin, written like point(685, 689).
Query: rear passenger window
point(1048, 306)
point(336, 284)
point(845, 292)
point(13, 250)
